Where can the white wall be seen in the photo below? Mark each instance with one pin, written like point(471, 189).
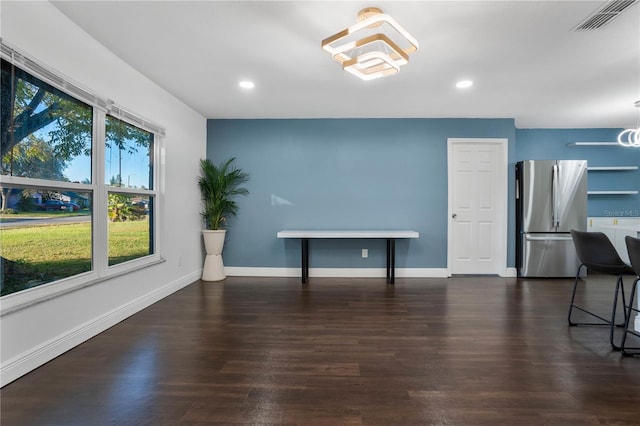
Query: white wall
point(36, 334)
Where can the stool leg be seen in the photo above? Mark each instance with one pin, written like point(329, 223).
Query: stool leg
point(573, 296)
point(619, 286)
point(624, 303)
point(628, 317)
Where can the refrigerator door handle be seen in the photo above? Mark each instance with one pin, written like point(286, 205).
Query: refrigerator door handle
point(554, 238)
point(555, 175)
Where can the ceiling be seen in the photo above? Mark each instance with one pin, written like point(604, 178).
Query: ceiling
point(523, 57)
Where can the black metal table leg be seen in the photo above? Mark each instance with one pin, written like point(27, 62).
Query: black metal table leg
point(304, 243)
point(388, 258)
point(391, 260)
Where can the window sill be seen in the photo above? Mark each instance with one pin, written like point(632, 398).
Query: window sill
point(15, 302)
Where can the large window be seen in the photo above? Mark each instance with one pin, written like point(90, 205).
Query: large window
point(129, 165)
point(78, 183)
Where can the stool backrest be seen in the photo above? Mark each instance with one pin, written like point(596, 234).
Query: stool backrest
point(594, 249)
point(633, 247)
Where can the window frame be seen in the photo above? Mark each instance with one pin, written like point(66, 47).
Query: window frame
point(101, 271)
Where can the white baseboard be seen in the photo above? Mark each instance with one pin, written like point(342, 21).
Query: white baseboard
point(233, 271)
point(511, 273)
point(41, 354)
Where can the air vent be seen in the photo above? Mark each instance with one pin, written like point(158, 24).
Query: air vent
point(604, 15)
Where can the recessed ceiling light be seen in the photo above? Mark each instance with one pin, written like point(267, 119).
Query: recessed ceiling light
point(246, 84)
point(464, 84)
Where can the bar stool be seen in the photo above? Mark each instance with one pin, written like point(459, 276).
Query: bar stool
point(633, 247)
point(597, 254)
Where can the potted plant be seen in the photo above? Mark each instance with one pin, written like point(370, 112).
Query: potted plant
point(219, 185)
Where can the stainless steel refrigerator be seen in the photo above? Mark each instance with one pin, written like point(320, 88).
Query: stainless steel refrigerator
point(551, 200)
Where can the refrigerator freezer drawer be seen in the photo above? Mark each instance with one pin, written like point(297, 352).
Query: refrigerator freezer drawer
point(548, 255)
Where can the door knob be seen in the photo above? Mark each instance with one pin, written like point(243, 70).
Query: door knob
point(454, 215)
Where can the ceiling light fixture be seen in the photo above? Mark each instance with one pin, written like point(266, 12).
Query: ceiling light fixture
point(631, 137)
point(464, 84)
point(376, 46)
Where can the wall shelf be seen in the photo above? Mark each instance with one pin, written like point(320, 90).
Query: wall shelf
point(594, 144)
point(608, 176)
point(612, 168)
point(612, 192)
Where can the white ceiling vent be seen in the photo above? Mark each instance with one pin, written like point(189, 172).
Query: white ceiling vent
point(604, 15)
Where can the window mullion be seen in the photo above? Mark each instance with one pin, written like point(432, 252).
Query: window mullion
point(100, 223)
point(158, 188)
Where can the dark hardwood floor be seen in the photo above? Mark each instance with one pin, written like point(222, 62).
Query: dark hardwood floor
point(459, 351)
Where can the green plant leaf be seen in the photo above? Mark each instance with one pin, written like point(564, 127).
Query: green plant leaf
point(219, 185)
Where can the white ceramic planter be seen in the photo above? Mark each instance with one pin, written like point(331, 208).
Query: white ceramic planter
point(213, 269)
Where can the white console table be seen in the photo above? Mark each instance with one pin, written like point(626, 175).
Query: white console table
point(390, 236)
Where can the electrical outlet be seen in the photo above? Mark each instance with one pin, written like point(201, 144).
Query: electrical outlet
point(365, 252)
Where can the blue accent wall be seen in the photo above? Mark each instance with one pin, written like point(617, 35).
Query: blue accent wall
point(381, 174)
point(549, 144)
point(345, 174)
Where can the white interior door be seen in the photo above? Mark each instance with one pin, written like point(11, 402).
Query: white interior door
point(477, 229)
